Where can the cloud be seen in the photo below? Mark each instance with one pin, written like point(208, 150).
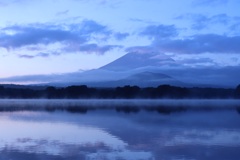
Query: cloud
point(208, 43)
point(91, 27)
point(144, 21)
point(90, 48)
point(198, 62)
point(201, 21)
point(26, 56)
point(26, 35)
point(209, 2)
point(73, 38)
point(160, 31)
point(103, 2)
point(17, 36)
point(8, 2)
point(61, 13)
point(142, 49)
point(235, 26)
point(31, 78)
point(197, 44)
point(121, 36)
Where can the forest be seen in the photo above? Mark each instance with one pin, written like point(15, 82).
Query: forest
point(125, 92)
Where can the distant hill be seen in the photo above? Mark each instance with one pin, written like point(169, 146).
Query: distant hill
point(146, 79)
point(147, 75)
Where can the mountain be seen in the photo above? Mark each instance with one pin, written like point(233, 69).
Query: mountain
point(145, 70)
point(135, 60)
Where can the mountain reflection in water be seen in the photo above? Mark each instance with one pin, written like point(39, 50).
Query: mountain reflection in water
point(120, 133)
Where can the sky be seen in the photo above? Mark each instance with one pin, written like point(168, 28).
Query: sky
point(64, 36)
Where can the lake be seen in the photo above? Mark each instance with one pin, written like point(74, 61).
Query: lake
point(119, 129)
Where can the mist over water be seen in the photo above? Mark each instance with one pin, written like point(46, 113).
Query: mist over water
point(123, 129)
point(88, 104)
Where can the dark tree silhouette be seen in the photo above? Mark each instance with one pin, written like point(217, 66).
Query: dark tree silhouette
point(127, 91)
point(1, 88)
point(162, 91)
point(237, 91)
point(167, 91)
point(51, 92)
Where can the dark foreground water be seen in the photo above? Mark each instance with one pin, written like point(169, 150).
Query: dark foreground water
point(108, 130)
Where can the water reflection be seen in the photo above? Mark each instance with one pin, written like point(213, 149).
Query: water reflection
point(47, 135)
point(120, 133)
point(60, 134)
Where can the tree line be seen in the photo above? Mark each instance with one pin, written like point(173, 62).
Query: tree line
point(126, 92)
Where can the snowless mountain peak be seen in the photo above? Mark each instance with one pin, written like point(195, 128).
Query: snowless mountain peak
point(135, 60)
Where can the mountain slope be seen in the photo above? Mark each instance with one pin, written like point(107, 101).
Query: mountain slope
point(137, 60)
point(143, 79)
point(149, 79)
point(149, 76)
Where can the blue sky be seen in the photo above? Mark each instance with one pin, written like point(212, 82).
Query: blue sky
point(61, 36)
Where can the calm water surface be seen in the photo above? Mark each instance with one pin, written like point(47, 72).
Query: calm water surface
point(129, 133)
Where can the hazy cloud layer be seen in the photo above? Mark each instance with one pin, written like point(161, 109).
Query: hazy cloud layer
point(200, 75)
point(197, 62)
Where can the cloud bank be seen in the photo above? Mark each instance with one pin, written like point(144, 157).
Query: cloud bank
point(78, 37)
point(208, 43)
